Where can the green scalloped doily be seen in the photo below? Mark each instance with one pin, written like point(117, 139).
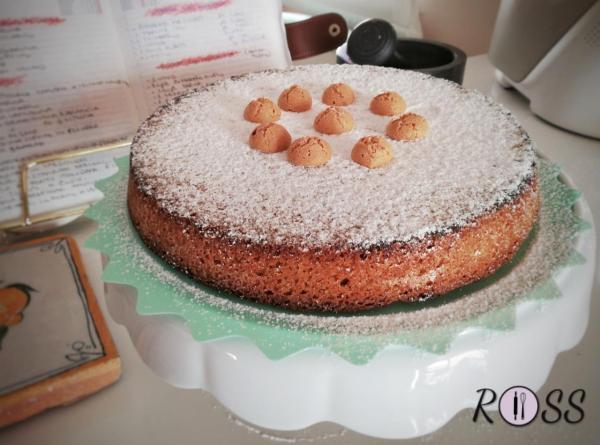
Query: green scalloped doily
point(211, 314)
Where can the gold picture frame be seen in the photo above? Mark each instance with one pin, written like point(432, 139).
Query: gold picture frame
point(27, 219)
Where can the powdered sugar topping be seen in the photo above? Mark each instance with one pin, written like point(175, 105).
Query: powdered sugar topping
point(193, 157)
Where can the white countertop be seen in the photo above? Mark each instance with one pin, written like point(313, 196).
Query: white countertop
point(142, 408)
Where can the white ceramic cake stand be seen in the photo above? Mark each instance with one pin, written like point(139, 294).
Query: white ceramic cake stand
point(400, 393)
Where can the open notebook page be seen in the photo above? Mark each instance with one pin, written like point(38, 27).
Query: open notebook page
point(171, 47)
point(62, 85)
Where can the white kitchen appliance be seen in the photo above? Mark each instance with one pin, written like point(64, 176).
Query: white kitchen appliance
point(549, 50)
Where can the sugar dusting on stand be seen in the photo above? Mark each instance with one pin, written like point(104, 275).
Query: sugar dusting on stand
point(549, 249)
point(193, 157)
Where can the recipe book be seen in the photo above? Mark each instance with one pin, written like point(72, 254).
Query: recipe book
point(78, 73)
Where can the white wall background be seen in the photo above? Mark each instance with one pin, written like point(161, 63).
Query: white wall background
point(467, 24)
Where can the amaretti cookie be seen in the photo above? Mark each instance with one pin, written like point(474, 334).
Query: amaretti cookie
point(372, 152)
point(338, 95)
point(389, 103)
point(262, 111)
point(270, 138)
point(309, 151)
point(333, 120)
point(295, 99)
point(408, 127)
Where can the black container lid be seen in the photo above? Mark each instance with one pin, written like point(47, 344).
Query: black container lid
point(372, 42)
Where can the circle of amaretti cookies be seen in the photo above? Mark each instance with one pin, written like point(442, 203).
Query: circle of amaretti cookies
point(295, 99)
point(309, 151)
point(333, 120)
point(262, 111)
point(408, 127)
point(389, 103)
point(372, 152)
point(270, 138)
point(338, 95)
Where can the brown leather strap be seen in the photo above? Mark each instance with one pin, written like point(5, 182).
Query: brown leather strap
point(316, 35)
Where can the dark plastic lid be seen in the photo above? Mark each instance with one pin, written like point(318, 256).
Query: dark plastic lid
point(372, 42)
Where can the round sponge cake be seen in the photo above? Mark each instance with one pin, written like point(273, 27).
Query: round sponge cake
point(448, 209)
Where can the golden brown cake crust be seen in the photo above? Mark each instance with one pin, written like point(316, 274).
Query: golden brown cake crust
point(327, 278)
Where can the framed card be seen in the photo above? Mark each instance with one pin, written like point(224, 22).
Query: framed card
point(54, 344)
